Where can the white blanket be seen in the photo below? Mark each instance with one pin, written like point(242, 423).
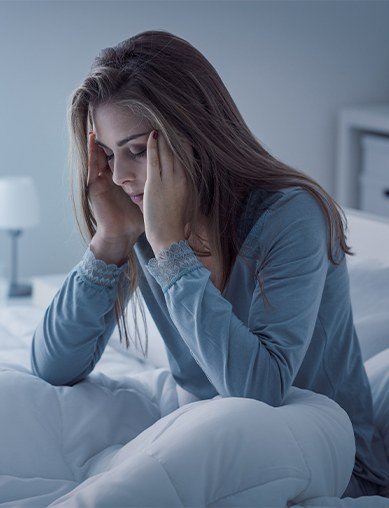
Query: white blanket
point(123, 438)
point(126, 442)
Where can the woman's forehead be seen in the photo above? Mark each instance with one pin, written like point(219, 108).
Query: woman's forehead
point(120, 118)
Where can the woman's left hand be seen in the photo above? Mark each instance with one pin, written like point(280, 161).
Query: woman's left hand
point(166, 196)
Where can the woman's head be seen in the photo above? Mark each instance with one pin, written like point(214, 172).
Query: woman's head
point(165, 83)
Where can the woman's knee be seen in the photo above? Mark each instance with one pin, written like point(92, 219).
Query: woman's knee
point(240, 443)
point(235, 422)
point(310, 433)
point(233, 444)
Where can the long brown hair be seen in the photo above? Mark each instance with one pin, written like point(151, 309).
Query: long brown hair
point(164, 78)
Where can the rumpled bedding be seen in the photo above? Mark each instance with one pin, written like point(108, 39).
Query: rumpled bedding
point(122, 438)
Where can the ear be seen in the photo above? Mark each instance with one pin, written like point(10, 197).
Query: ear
point(187, 230)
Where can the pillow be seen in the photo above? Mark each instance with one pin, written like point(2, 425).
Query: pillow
point(369, 292)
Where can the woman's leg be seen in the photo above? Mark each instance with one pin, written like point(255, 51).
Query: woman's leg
point(229, 452)
point(358, 487)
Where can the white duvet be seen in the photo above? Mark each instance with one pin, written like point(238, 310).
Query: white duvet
point(120, 438)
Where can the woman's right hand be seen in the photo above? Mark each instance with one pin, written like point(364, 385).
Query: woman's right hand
point(118, 220)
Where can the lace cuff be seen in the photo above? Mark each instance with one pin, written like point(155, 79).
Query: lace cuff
point(172, 263)
point(98, 271)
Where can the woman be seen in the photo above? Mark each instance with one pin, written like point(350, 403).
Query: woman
point(239, 257)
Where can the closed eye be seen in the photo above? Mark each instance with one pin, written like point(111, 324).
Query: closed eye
point(138, 155)
point(132, 155)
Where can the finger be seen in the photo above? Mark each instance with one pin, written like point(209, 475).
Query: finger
point(97, 160)
point(166, 158)
point(89, 148)
point(153, 166)
point(173, 161)
point(97, 157)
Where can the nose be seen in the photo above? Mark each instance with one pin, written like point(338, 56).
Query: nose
point(122, 172)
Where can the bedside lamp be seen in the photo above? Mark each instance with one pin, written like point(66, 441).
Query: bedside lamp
point(19, 209)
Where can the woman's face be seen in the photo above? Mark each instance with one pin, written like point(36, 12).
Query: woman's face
point(123, 136)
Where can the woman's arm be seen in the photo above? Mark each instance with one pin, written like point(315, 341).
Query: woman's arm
point(78, 323)
point(261, 361)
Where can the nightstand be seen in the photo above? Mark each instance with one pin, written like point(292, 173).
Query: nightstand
point(17, 300)
point(6, 301)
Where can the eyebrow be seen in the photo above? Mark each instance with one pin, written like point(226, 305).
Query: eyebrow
point(123, 141)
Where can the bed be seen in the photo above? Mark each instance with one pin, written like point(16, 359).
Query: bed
point(80, 448)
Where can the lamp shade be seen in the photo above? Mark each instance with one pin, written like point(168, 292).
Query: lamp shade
point(19, 206)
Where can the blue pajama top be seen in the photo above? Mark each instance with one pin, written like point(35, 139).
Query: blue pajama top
point(232, 343)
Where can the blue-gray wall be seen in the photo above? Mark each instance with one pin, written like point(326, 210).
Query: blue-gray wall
point(289, 65)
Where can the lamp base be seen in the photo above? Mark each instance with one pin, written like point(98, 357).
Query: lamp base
point(16, 290)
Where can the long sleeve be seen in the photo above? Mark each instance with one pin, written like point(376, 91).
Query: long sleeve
point(78, 323)
point(260, 360)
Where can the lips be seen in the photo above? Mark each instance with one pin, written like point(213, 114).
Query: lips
point(136, 198)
